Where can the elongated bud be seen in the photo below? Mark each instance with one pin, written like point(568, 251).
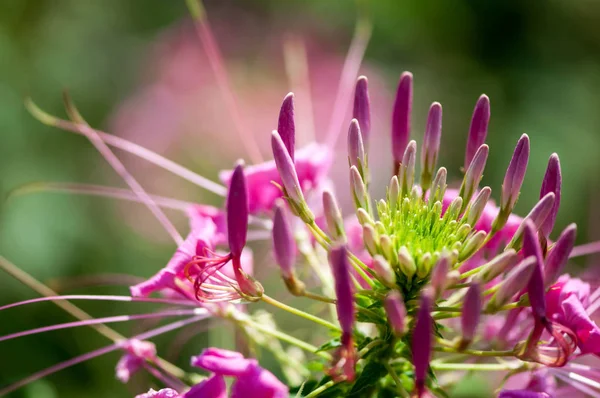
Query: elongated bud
point(289, 178)
point(363, 217)
point(471, 313)
point(552, 183)
point(401, 117)
point(439, 275)
point(333, 218)
point(538, 215)
point(406, 262)
point(286, 126)
point(471, 245)
point(453, 210)
point(384, 271)
point(513, 179)
point(431, 144)
point(407, 171)
point(370, 239)
point(515, 282)
point(394, 193)
point(559, 254)
point(497, 266)
point(438, 188)
point(474, 174)
point(396, 312)
point(476, 208)
point(535, 287)
point(284, 247)
point(356, 149)
point(422, 337)
point(362, 108)
point(359, 190)
point(478, 129)
point(237, 211)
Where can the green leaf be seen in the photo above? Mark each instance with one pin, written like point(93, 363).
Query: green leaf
point(330, 345)
point(368, 379)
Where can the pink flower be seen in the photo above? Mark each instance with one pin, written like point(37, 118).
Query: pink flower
point(137, 352)
point(164, 393)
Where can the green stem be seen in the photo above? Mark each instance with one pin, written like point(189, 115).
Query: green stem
point(319, 297)
point(319, 390)
point(489, 367)
point(295, 311)
point(401, 391)
point(478, 353)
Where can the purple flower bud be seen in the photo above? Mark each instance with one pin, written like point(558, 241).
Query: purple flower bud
point(496, 266)
point(340, 267)
point(438, 188)
point(431, 143)
point(421, 344)
point(362, 108)
point(396, 312)
point(439, 275)
point(471, 313)
point(476, 209)
point(384, 271)
point(514, 282)
point(552, 183)
point(401, 116)
point(370, 238)
point(286, 126)
point(471, 245)
point(359, 190)
point(559, 254)
point(478, 129)
point(356, 149)
point(538, 214)
point(237, 211)
point(284, 244)
point(405, 261)
point(407, 171)
point(333, 217)
point(513, 180)
point(474, 174)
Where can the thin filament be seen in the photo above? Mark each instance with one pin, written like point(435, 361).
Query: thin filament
point(586, 249)
point(109, 319)
point(96, 353)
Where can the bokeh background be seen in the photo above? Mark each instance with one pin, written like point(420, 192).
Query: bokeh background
point(137, 69)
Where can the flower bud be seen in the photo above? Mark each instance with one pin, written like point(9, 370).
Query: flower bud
point(471, 245)
point(407, 171)
point(515, 282)
point(535, 286)
point(453, 210)
point(478, 128)
point(387, 247)
point(362, 108)
point(396, 312)
point(513, 180)
point(496, 266)
point(422, 339)
point(552, 183)
point(477, 207)
point(401, 117)
point(471, 313)
point(438, 188)
point(363, 217)
point(356, 149)
point(431, 144)
point(286, 126)
point(537, 215)
point(370, 239)
point(425, 264)
point(406, 262)
point(384, 271)
point(393, 193)
point(559, 254)
point(439, 276)
point(340, 267)
point(237, 211)
point(359, 189)
point(289, 178)
point(474, 174)
point(333, 217)
point(284, 247)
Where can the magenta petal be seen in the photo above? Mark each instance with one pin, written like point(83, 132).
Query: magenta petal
point(522, 394)
point(261, 382)
point(237, 211)
point(577, 319)
point(478, 129)
point(286, 126)
point(535, 287)
point(401, 116)
point(223, 362)
point(213, 387)
point(127, 366)
point(164, 393)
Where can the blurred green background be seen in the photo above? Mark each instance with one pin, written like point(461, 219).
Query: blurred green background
point(539, 62)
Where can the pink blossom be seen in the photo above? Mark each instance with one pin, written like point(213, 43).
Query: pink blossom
point(164, 393)
point(137, 352)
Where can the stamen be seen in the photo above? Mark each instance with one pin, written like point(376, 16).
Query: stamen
point(130, 147)
point(96, 353)
point(110, 319)
point(216, 62)
point(99, 298)
point(572, 381)
point(586, 249)
point(362, 34)
point(120, 169)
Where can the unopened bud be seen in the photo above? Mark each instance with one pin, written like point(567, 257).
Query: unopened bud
point(333, 217)
point(474, 174)
point(396, 312)
point(471, 313)
point(362, 108)
point(453, 211)
point(552, 183)
point(477, 207)
point(559, 254)
point(535, 287)
point(387, 247)
point(438, 188)
point(394, 193)
point(286, 126)
point(471, 245)
point(422, 339)
point(363, 217)
point(515, 282)
point(537, 215)
point(370, 239)
point(401, 116)
point(407, 171)
point(439, 275)
point(425, 264)
point(406, 262)
point(513, 180)
point(496, 266)
point(384, 271)
point(431, 144)
point(359, 189)
point(356, 149)
point(284, 245)
point(478, 129)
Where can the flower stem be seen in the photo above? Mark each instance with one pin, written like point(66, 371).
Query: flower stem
point(478, 353)
point(319, 297)
point(319, 390)
point(295, 311)
point(401, 391)
point(489, 367)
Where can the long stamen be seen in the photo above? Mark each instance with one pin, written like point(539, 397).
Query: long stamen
point(362, 34)
point(216, 63)
point(586, 249)
point(99, 298)
point(96, 353)
point(109, 319)
point(120, 169)
point(130, 147)
point(574, 380)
